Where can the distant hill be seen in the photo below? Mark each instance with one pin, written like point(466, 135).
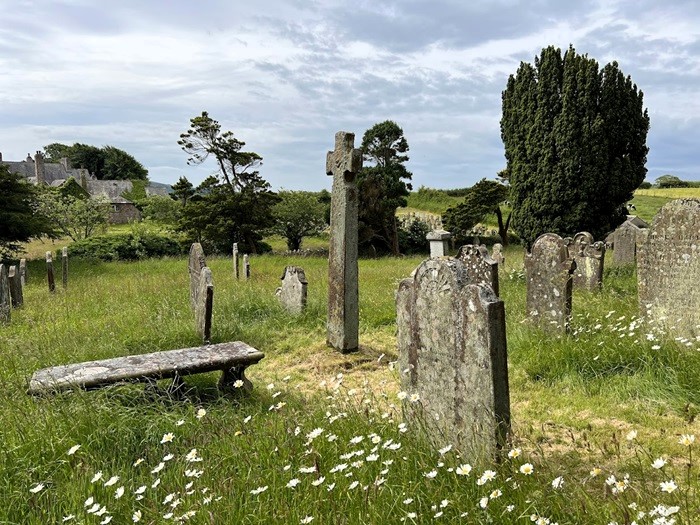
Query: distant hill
point(162, 186)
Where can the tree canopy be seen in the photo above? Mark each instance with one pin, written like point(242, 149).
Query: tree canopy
point(107, 162)
point(575, 144)
point(297, 215)
point(382, 187)
point(18, 218)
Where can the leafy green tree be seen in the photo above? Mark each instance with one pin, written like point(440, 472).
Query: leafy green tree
point(297, 215)
point(670, 181)
point(119, 165)
point(382, 187)
point(237, 205)
point(108, 162)
point(575, 144)
point(183, 190)
point(482, 199)
point(18, 218)
point(76, 217)
point(56, 151)
point(88, 157)
point(162, 209)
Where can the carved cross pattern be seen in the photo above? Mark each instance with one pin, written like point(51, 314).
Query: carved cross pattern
point(344, 160)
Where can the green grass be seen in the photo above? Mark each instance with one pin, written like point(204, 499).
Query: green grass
point(574, 402)
point(432, 200)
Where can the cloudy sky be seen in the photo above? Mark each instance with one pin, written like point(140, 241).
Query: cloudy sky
point(284, 76)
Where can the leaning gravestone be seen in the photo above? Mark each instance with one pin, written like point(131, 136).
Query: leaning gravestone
point(497, 254)
point(342, 327)
point(668, 272)
point(15, 281)
point(5, 298)
point(204, 303)
point(197, 263)
point(452, 354)
point(548, 271)
point(292, 293)
point(589, 257)
point(480, 267)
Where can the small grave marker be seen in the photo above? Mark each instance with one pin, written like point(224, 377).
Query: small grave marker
point(246, 266)
point(292, 293)
point(197, 262)
point(497, 254)
point(15, 282)
point(236, 261)
point(439, 242)
point(5, 298)
point(49, 272)
point(204, 304)
point(23, 271)
point(589, 257)
point(64, 266)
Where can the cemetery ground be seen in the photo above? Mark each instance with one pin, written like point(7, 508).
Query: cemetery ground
point(604, 420)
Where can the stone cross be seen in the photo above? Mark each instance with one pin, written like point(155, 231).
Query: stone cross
point(64, 266)
point(668, 272)
point(439, 242)
point(197, 262)
point(548, 271)
point(236, 261)
point(5, 298)
point(342, 327)
point(246, 266)
point(49, 272)
point(23, 271)
point(203, 307)
point(292, 293)
point(453, 358)
point(480, 267)
point(589, 257)
point(497, 254)
point(15, 281)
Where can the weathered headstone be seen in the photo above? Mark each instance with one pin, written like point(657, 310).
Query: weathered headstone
point(548, 270)
point(497, 254)
point(49, 272)
point(236, 261)
point(439, 242)
point(292, 293)
point(589, 256)
point(668, 272)
point(23, 271)
point(624, 240)
point(197, 262)
point(204, 304)
point(480, 267)
point(5, 299)
point(64, 266)
point(15, 282)
point(342, 326)
point(453, 357)
point(246, 266)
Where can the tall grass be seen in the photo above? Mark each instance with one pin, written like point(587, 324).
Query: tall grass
point(607, 397)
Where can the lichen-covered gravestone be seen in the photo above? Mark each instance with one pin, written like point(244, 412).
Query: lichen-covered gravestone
point(197, 262)
point(292, 293)
point(15, 281)
point(236, 261)
point(204, 304)
point(625, 240)
point(5, 299)
point(453, 357)
point(589, 257)
point(497, 255)
point(481, 268)
point(23, 271)
point(548, 271)
point(668, 272)
point(342, 327)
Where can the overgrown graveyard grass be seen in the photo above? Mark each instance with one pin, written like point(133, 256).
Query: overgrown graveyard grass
point(602, 420)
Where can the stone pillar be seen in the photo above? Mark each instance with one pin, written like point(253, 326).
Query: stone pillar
point(5, 299)
point(23, 271)
point(15, 287)
point(196, 263)
point(64, 266)
point(439, 242)
point(342, 327)
point(246, 266)
point(49, 272)
point(204, 304)
point(236, 261)
point(39, 169)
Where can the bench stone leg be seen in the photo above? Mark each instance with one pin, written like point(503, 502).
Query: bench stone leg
point(231, 375)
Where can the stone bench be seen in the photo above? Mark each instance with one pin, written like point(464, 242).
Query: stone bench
point(231, 358)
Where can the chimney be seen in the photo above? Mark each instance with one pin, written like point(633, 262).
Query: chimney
point(0, 156)
point(39, 169)
point(64, 163)
point(83, 179)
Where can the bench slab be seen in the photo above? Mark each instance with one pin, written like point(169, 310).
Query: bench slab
point(232, 358)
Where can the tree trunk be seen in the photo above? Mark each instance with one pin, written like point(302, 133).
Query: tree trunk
point(503, 229)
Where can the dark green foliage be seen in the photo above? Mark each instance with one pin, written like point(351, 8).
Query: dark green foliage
point(575, 144)
point(105, 163)
point(645, 185)
point(412, 237)
point(162, 209)
point(18, 218)
point(72, 188)
point(670, 181)
point(382, 187)
point(183, 190)
point(128, 247)
point(485, 197)
point(298, 214)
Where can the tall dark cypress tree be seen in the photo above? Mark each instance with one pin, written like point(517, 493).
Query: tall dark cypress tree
point(575, 144)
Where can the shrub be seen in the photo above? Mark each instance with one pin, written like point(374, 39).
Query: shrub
point(125, 247)
point(412, 237)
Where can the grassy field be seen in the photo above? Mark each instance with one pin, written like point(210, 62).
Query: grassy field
point(603, 417)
